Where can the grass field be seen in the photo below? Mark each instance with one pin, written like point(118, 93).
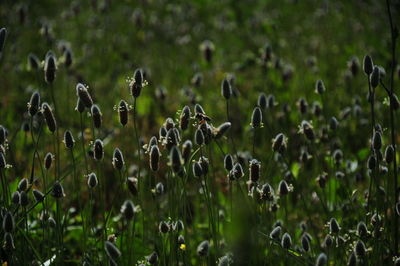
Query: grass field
point(203, 132)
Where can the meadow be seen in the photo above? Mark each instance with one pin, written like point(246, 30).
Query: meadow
point(203, 132)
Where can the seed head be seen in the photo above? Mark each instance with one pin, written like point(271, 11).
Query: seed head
point(360, 249)
point(352, 261)
point(307, 129)
point(262, 101)
point(68, 57)
point(96, 115)
point(207, 47)
point(23, 199)
point(15, 197)
point(175, 159)
point(276, 233)
point(155, 155)
point(279, 143)
point(377, 141)
point(254, 170)
point(204, 164)
point(118, 159)
point(284, 188)
point(152, 259)
point(319, 87)
point(226, 90)
point(236, 172)
point(23, 184)
point(203, 248)
point(186, 150)
point(199, 137)
point(163, 227)
point(39, 196)
point(362, 229)
point(58, 190)
point(80, 106)
point(256, 118)
point(368, 65)
point(69, 140)
point(371, 163)
point(8, 222)
point(228, 162)
point(334, 227)
point(375, 77)
point(322, 260)
point(333, 124)
point(49, 117)
point(123, 110)
point(92, 180)
point(34, 103)
point(221, 130)
point(132, 183)
point(98, 150)
point(136, 84)
point(128, 210)
point(48, 160)
point(50, 67)
point(84, 95)
point(286, 241)
point(197, 170)
point(198, 109)
point(112, 251)
point(184, 118)
point(305, 243)
point(159, 189)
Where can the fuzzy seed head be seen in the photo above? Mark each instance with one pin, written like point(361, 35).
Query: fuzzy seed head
point(322, 260)
point(203, 248)
point(228, 162)
point(123, 110)
point(155, 155)
point(276, 233)
point(197, 170)
point(118, 159)
point(226, 90)
point(98, 150)
point(58, 190)
point(286, 242)
point(69, 140)
point(377, 141)
point(262, 101)
point(334, 227)
point(256, 118)
point(221, 130)
point(175, 159)
point(128, 210)
point(368, 65)
point(96, 116)
point(38, 195)
point(319, 87)
point(48, 160)
point(34, 103)
point(360, 249)
point(8, 222)
point(49, 117)
point(92, 180)
point(184, 118)
point(50, 67)
point(254, 170)
point(375, 77)
point(84, 95)
point(187, 150)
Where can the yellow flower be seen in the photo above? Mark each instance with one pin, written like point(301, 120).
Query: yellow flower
point(182, 247)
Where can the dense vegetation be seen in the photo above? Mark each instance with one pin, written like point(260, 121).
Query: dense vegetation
point(199, 132)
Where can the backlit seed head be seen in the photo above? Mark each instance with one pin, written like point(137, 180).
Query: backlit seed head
point(15, 197)
point(337, 156)
point(267, 192)
point(49, 117)
point(112, 251)
point(226, 90)
point(128, 210)
point(305, 243)
point(3, 135)
point(34, 103)
point(377, 140)
point(360, 249)
point(198, 109)
point(69, 140)
point(334, 227)
point(307, 129)
point(262, 101)
point(184, 118)
point(186, 150)
point(181, 240)
point(39, 196)
point(84, 95)
point(302, 105)
point(92, 180)
point(354, 65)
point(162, 132)
point(171, 139)
point(169, 123)
point(3, 35)
point(221, 130)
point(52, 223)
point(236, 172)
point(225, 260)
point(23, 199)
point(23, 184)
point(322, 260)
point(279, 143)
point(228, 162)
point(254, 170)
point(137, 83)
point(118, 159)
point(333, 124)
point(352, 260)
point(197, 170)
point(3, 163)
point(203, 248)
point(98, 150)
point(362, 230)
point(80, 106)
point(368, 65)
point(68, 57)
point(175, 159)
point(204, 164)
point(50, 67)
point(155, 155)
point(8, 241)
point(58, 190)
point(286, 242)
point(178, 226)
point(284, 188)
point(163, 227)
point(371, 163)
point(96, 116)
point(48, 160)
point(8, 222)
point(322, 179)
point(197, 79)
point(375, 77)
point(199, 137)
point(328, 241)
point(132, 184)
point(159, 189)
point(256, 118)
point(152, 259)
point(319, 87)
point(207, 47)
point(123, 110)
point(276, 233)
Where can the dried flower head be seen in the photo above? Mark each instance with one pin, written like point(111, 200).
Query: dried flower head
point(50, 67)
point(84, 95)
point(49, 117)
point(34, 103)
